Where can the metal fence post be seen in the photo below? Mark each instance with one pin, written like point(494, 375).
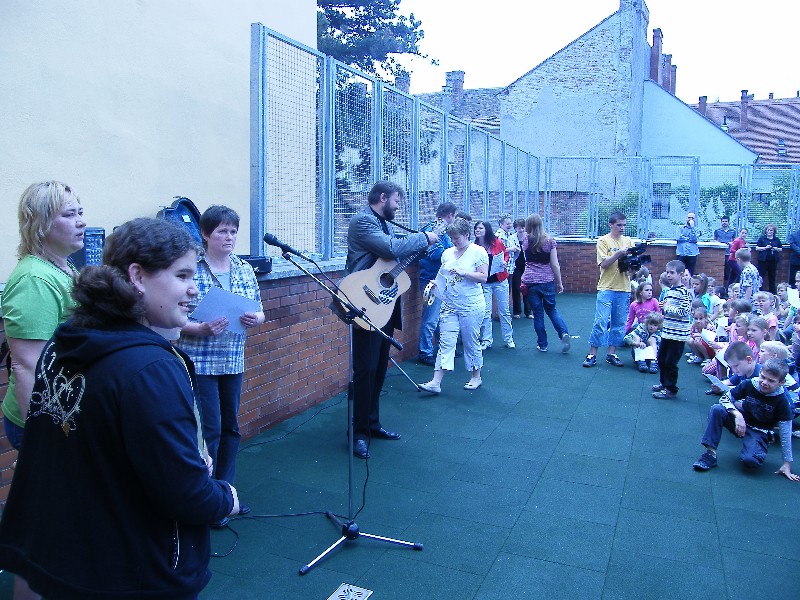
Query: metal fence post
point(259, 98)
point(328, 154)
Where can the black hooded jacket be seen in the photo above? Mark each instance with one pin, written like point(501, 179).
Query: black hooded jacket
point(111, 497)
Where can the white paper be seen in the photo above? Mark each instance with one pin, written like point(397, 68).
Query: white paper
point(708, 336)
point(222, 303)
point(794, 297)
point(646, 353)
point(498, 264)
point(717, 383)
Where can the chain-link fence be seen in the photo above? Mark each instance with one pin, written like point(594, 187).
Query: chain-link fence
point(323, 133)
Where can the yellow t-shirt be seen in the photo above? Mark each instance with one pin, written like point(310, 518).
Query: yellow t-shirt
point(612, 278)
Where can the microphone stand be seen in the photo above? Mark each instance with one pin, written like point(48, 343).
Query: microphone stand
point(350, 531)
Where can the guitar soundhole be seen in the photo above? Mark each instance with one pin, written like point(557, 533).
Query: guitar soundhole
point(387, 280)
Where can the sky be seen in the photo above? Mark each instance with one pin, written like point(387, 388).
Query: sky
point(720, 47)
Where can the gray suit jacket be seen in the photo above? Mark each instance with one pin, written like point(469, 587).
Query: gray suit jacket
point(367, 242)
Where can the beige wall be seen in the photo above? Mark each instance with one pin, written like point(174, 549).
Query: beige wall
point(131, 102)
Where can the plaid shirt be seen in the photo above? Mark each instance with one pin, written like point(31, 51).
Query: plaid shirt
point(221, 354)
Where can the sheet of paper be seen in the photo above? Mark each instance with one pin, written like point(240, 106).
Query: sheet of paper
point(708, 336)
point(647, 353)
point(794, 297)
point(222, 303)
point(498, 265)
point(717, 382)
point(720, 356)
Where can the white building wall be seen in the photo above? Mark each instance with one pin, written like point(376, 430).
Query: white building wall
point(132, 102)
point(672, 128)
point(585, 100)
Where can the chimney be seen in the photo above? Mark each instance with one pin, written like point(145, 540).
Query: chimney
point(724, 125)
point(771, 96)
point(702, 107)
point(447, 99)
point(655, 56)
point(672, 79)
point(403, 82)
point(455, 81)
point(743, 116)
point(667, 73)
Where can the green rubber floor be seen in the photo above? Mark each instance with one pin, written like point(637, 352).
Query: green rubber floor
point(549, 481)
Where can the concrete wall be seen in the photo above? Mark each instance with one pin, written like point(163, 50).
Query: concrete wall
point(585, 100)
point(132, 102)
point(672, 128)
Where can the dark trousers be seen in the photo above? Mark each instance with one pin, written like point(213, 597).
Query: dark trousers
point(689, 262)
point(218, 397)
point(516, 279)
point(669, 355)
point(754, 444)
point(732, 272)
point(767, 271)
point(370, 361)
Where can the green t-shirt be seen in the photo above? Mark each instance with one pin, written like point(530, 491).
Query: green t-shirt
point(36, 300)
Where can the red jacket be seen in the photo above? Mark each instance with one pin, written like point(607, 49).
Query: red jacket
point(496, 248)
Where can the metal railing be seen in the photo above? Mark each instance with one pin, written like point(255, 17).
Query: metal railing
point(322, 133)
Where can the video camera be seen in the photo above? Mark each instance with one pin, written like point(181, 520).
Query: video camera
point(635, 258)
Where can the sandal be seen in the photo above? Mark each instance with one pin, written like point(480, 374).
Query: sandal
point(430, 387)
point(470, 385)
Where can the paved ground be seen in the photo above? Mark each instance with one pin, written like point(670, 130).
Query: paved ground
point(550, 481)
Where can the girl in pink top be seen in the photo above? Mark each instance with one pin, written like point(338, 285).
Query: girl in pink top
point(642, 306)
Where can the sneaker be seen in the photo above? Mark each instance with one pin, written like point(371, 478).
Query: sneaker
point(705, 462)
point(642, 366)
point(541, 348)
point(653, 368)
point(614, 360)
point(695, 361)
point(511, 345)
point(657, 387)
point(591, 360)
point(528, 316)
point(565, 343)
point(796, 433)
point(664, 394)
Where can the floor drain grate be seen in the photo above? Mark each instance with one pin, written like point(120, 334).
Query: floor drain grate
point(350, 592)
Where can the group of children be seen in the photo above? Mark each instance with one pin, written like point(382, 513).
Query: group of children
point(746, 341)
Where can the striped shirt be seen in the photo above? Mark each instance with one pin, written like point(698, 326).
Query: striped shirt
point(677, 310)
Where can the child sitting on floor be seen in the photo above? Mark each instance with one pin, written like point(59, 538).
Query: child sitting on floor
point(701, 336)
point(751, 411)
point(757, 332)
point(642, 306)
point(647, 333)
point(764, 303)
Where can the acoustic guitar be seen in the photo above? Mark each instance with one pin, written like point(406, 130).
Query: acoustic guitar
point(375, 290)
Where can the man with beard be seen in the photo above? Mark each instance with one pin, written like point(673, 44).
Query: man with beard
point(371, 236)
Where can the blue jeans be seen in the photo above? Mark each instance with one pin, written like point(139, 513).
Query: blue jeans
point(754, 443)
point(218, 396)
point(542, 299)
point(428, 323)
point(610, 315)
point(499, 290)
point(13, 433)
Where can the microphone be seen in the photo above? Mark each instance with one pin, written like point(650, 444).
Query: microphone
point(286, 248)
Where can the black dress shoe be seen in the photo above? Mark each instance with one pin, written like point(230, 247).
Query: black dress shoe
point(360, 449)
point(221, 524)
point(385, 434)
